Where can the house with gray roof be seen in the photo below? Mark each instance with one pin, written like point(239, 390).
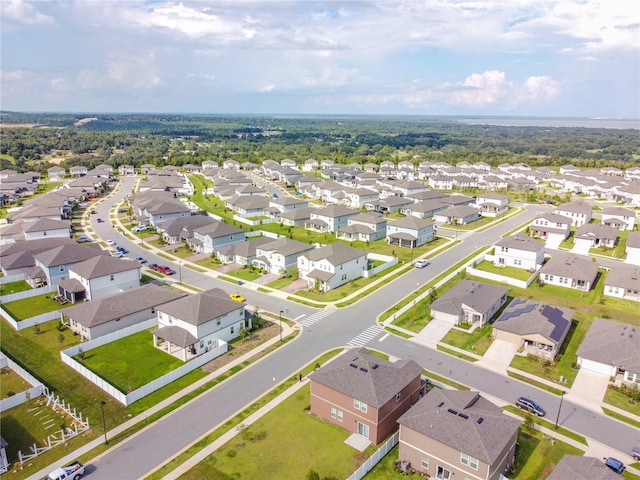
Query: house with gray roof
point(619, 217)
point(195, 323)
point(469, 302)
point(18, 257)
point(279, 256)
point(214, 236)
point(54, 264)
point(365, 227)
point(613, 349)
point(46, 228)
point(115, 312)
point(56, 174)
point(594, 235)
point(365, 394)
point(519, 251)
point(578, 467)
point(410, 232)
point(579, 212)
point(570, 271)
point(458, 215)
point(492, 204)
point(424, 209)
point(242, 253)
point(389, 204)
point(457, 434)
point(328, 267)
point(633, 248)
point(179, 229)
point(552, 227)
point(537, 328)
point(330, 218)
point(623, 281)
point(297, 217)
point(98, 277)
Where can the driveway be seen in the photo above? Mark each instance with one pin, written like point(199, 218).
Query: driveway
point(499, 355)
point(588, 389)
point(581, 248)
point(430, 335)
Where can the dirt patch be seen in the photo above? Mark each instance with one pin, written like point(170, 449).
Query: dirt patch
point(241, 347)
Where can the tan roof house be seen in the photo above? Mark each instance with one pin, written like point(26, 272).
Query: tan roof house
point(570, 271)
point(365, 394)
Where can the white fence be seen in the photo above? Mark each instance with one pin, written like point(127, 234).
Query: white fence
point(496, 276)
point(34, 292)
point(253, 223)
point(128, 398)
point(373, 460)
point(12, 278)
point(20, 397)
point(28, 322)
point(389, 262)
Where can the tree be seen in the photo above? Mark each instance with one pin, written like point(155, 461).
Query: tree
point(36, 328)
point(61, 339)
point(312, 475)
point(529, 424)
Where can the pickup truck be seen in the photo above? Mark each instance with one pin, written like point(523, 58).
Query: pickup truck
point(73, 471)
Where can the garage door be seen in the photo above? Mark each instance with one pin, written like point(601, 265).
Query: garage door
point(597, 367)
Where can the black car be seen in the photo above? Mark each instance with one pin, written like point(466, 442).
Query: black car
point(529, 405)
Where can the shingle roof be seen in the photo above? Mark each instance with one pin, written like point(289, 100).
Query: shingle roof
point(577, 467)
point(571, 266)
point(525, 317)
point(521, 242)
point(334, 211)
point(596, 230)
point(70, 253)
point(453, 418)
point(175, 335)
point(362, 375)
point(633, 240)
point(286, 246)
point(218, 229)
point(579, 206)
point(476, 295)
point(46, 224)
point(412, 223)
point(336, 253)
point(202, 307)
point(612, 343)
point(624, 276)
point(102, 265)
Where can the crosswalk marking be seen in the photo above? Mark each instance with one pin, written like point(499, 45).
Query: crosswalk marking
point(366, 336)
point(314, 318)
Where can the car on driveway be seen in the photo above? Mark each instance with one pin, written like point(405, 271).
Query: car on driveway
point(139, 228)
point(83, 239)
point(237, 297)
point(141, 259)
point(615, 465)
point(421, 263)
point(529, 405)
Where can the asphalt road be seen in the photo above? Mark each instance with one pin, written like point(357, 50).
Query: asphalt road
point(153, 446)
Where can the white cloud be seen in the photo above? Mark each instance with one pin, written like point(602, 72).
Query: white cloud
point(23, 12)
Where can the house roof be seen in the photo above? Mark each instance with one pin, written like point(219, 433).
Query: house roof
point(612, 343)
point(411, 223)
point(554, 218)
point(360, 374)
point(106, 309)
point(464, 421)
point(476, 295)
point(46, 224)
point(335, 253)
point(102, 265)
point(174, 226)
point(633, 240)
point(285, 246)
point(357, 228)
point(579, 206)
point(176, 335)
point(370, 218)
point(334, 211)
point(525, 317)
point(571, 266)
point(596, 230)
point(459, 211)
point(69, 253)
point(296, 214)
point(218, 229)
point(72, 285)
point(202, 307)
point(521, 242)
point(577, 467)
point(618, 211)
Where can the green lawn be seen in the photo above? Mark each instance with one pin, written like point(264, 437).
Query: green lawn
point(477, 342)
point(32, 306)
point(246, 274)
point(537, 455)
point(513, 272)
point(11, 382)
point(14, 287)
point(542, 386)
point(618, 399)
point(130, 362)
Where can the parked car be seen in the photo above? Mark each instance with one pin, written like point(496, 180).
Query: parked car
point(99, 220)
point(421, 263)
point(166, 270)
point(615, 465)
point(122, 210)
point(139, 228)
point(529, 405)
point(141, 259)
point(237, 297)
point(83, 239)
point(122, 250)
point(154, 266)
point(117, 254)
point(111, 242)
point(635, 453)
point(93, 212)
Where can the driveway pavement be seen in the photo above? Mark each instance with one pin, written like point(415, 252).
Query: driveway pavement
point(588, 389)
point(581, 248)
point(430, 335)
point(499, 356)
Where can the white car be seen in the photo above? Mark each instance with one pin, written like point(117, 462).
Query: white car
point(421, 263)
point(111, 242)
point(139, 228)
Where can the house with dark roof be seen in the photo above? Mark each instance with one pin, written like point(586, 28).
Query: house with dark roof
point(295, 218)
point(213, 236)
point(410, 232)
point(54, 264)
point(623, 281)
point(279, 256)
point(180, 229)
point(570, 271)
point(424, 208)
point(519, 251)
point(115, 312)
point(365, 394)
point(613, 349)
point(328, 267)
point(365, 227)
point(194, 324)
point(457, 434)
point(469, 302)
point(46, 228)
point(537, 328)
point(578, 467)
point(579, 212)
point(99, 277)
point(18, 257)
point(619, 217)
point(330, 218)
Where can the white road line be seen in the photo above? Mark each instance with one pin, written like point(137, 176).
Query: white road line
point(298, 318)
point(381, 339)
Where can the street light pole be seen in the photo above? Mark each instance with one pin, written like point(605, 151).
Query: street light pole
point(180, 271)
point(280, 325)
point(559, 408)
point(104, 424)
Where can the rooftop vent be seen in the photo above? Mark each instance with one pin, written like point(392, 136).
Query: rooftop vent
point(374, 366)
point(451, 410)
point(353, 365)
point(480, 420)
point(364, 369)
point(463, 415)
point(440, 404)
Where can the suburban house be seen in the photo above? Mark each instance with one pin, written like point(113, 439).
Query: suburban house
point(579, 212)
point(571, 271)
point(46, 228)
point(214, 236)
point(295, 218)
point(114, 312)
point(612, 348)
point(194, 324)
point(633, 248)
point(623, 281)
point(330, 218)
point(391, 204)
point(424, 208)
point(366, 227)
point(330, 266)
point(52, 266)
point(593, 235)
point(457, 434)
point(180, 229)
point(279, 256)
point(539, 329)
point(410, 232)
point(365, 394)
point(619, 217)
point(519, 251)
point(552, 227)
point(492, 204)
point(469, 302)
point(242, 253)
point(154, 207)
point(458, 215)
point(579, 467)
point(78, 171)
point(286, 204)
point(56, 174)
point(99, 277)
point(18, 257)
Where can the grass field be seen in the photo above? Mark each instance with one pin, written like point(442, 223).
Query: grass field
point(477, 341)
point(33, 306)
point(14, 287)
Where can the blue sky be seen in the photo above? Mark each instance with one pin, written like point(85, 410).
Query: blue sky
point(511, 57)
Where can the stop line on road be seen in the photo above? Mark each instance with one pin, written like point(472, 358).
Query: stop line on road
point(315, 318)
point(366, 336)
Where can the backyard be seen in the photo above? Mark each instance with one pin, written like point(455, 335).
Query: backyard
point(13, 287)
point(33, 306)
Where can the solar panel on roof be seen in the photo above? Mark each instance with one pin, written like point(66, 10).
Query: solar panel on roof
point(463, 415)
point(511, 312)
point(451, 410)
point(365, 370)
point(480, 420)
point(556, 318)
point(353, 365)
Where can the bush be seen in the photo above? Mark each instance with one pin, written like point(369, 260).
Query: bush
point(232, 453)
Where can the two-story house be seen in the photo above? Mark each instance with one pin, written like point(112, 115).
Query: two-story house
point(213, 236)
point(410, 232)
point(457, 434)
point(330, 266)
point(46, 228)
point(579, 212)
point(552, 227)
point(519, 251)
point(469, 302)
point(279, 256)
point(365, 394)
point(330, 218)
point(492, 204)
point(366, 227)
point(619, 217)
point(54, 264)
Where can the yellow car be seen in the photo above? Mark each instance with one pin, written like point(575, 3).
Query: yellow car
point(237, 297)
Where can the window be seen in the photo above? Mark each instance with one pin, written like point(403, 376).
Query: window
point(62, 268)
point(340, 416)
point(469, 460)
point(231, 329)
point(358, 405)
point(112, 277)
point(425, 462)
point(334, 413)
point(398, 395)
point(443, 473)
point(363, 430)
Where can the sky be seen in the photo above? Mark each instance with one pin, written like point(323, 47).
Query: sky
point(567, 58)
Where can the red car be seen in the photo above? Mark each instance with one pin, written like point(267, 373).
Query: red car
point(165, 270)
